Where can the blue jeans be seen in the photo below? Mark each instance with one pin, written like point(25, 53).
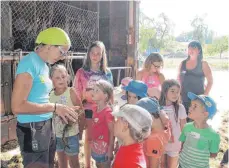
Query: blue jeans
point(72, 142)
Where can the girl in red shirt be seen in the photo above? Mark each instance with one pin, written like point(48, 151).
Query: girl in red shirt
point(102, 141)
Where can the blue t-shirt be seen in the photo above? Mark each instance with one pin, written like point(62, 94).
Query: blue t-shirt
point(41, 87)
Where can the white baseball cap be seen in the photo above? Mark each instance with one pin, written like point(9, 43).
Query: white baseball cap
point(136, 116)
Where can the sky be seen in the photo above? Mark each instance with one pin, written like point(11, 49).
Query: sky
point(181, 12)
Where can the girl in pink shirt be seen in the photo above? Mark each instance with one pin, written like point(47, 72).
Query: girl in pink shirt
point(102, 142)
point(169, 100)
point(151, 75)
point(94, 69)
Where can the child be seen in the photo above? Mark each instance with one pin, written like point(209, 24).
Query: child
point(121, 93)
point(135, 90)
point(67, 139)
point(94, 69)
point(102, 144)
point(132, 126)
point(199, 140)
point(169, 101)
point(154, 145)
point(151, 75)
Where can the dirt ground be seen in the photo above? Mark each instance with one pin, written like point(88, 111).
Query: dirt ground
point(11, 158)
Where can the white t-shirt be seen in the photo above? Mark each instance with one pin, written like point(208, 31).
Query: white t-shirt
point(176, 129)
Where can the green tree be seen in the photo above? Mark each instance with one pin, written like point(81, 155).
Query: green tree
point(220, 45)
point(199, 29)
point(209, 50)
point(146, 33)
point(155, 33)
point(164, 27)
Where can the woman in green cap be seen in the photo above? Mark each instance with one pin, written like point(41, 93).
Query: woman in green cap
point(30, 99)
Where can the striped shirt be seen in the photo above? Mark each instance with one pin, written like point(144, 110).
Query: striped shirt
point(198, 145)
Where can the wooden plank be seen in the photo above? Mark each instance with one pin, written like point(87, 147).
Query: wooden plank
point(4, 130)
point(12, 122)
point(6, 78)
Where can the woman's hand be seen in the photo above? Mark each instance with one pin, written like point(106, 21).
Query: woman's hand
point(67, 113)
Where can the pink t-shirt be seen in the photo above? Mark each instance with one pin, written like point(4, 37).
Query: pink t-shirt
point(84, 83)
point(174, 145)
point(100, 130)
point(152, 81)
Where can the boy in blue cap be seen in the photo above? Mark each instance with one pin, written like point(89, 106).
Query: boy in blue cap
point(199, 140)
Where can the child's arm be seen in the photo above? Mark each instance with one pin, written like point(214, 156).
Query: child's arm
point(213, 155)
point(111, 141)
point(181, 146)
point(214, 145)
point(182, 137)
point(154, 162)
point(76, 101)
point(182, 116)
point(139, 75)
point(182, 123)
point(78, 84)
point(161, 78)
point(164, 118)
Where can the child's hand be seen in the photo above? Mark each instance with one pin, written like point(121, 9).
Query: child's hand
point(116, 147)
point(164, 118)
point(109, 155)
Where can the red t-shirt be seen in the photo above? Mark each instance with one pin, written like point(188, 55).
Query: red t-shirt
point(100, 130)
point(131, 156)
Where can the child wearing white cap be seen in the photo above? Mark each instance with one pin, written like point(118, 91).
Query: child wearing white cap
point(132, 126)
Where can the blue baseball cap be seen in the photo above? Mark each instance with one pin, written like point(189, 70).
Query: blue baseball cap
point(208, 102)
point(149, 104)
point(137, 87)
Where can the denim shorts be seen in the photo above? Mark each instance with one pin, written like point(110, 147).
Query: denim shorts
point(72, 142)
point(99, 158)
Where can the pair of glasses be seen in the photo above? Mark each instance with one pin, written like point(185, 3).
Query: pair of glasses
point(157, 66)
point(62, 52)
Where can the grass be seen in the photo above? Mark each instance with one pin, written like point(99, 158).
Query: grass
point(215, 63)
point(223, 131)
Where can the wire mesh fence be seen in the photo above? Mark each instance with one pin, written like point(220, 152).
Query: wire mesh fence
point(23, 20)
